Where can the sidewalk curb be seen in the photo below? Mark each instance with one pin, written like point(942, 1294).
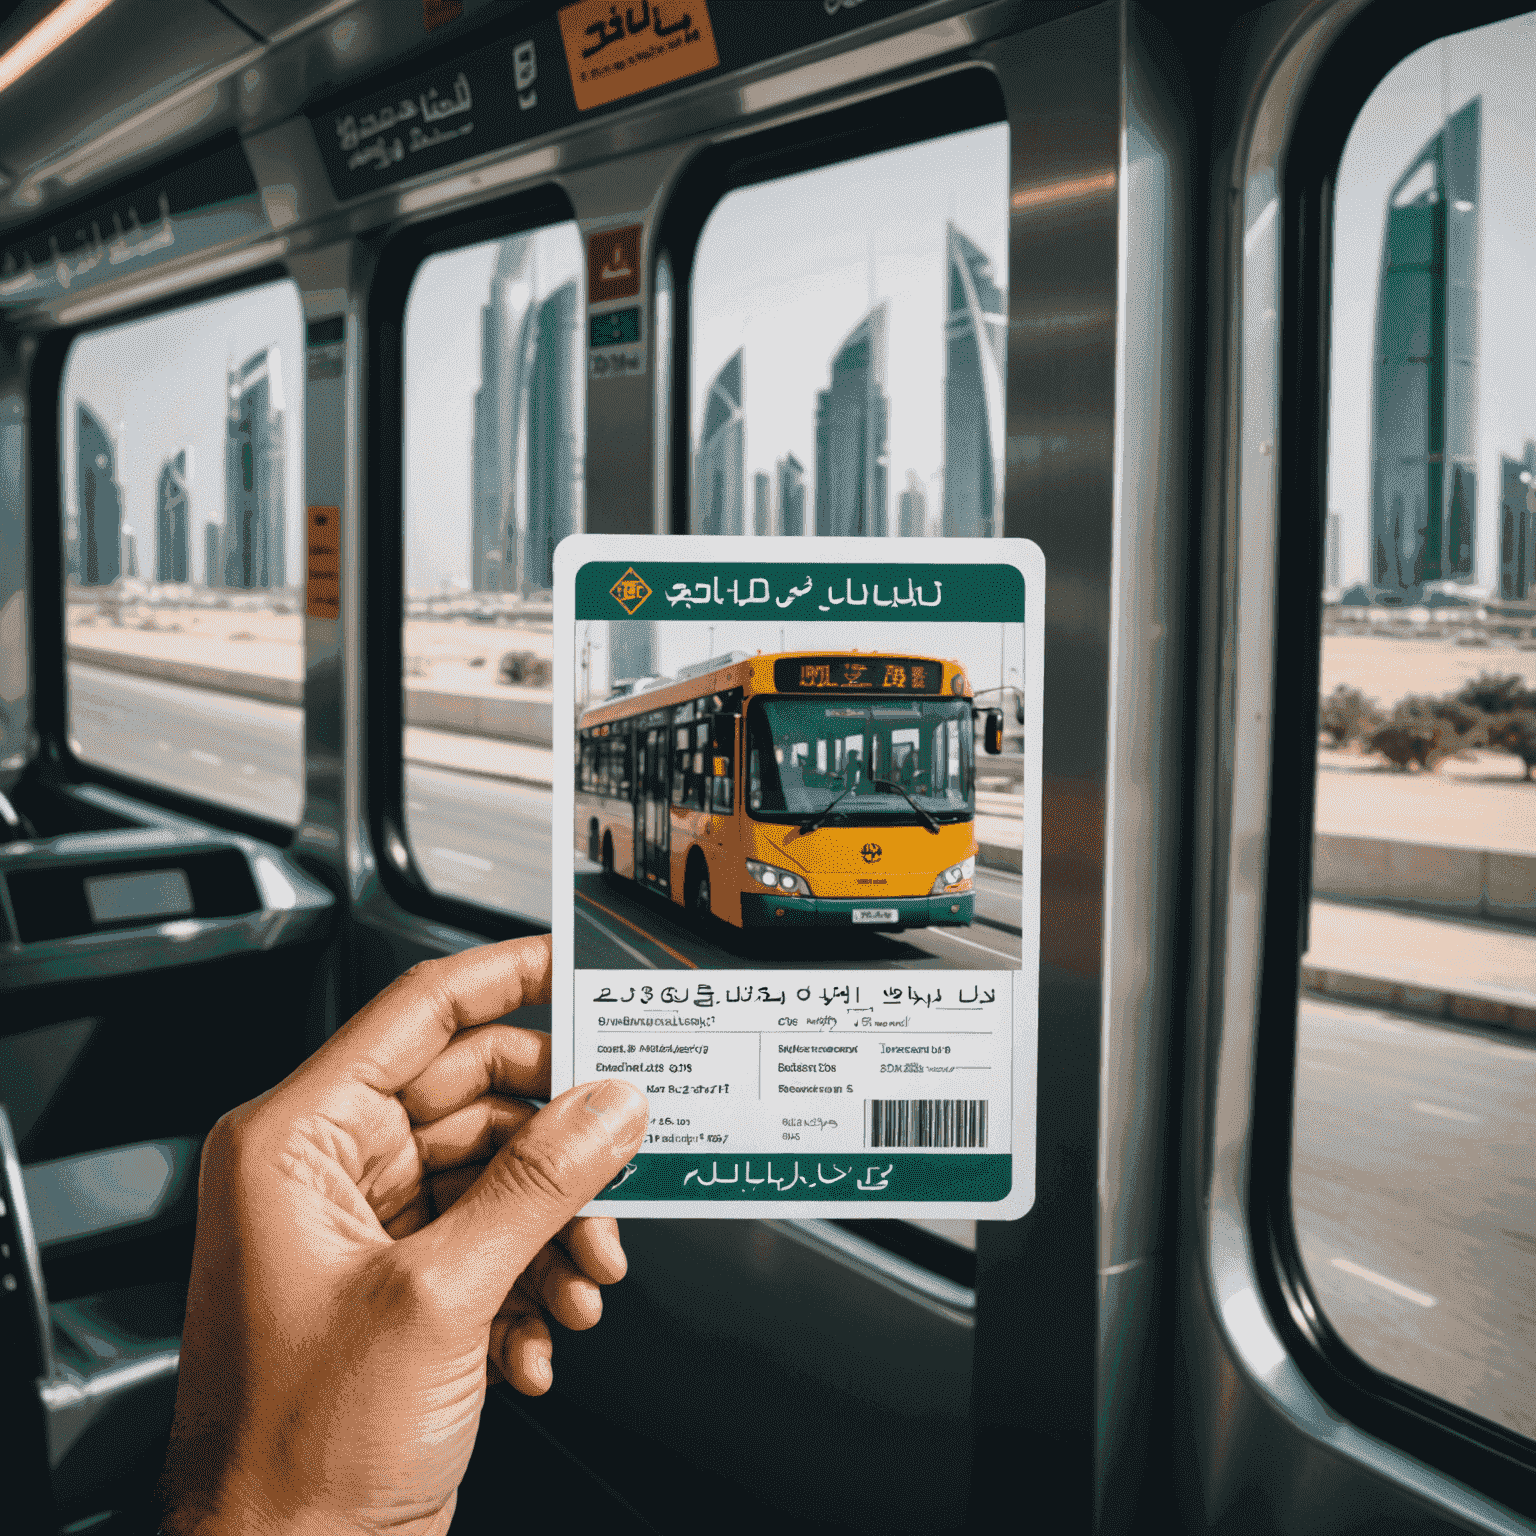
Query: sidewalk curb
point(1463, 1007)
point(1000, 856)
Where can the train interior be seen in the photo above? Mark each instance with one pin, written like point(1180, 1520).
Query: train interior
point(323, 321)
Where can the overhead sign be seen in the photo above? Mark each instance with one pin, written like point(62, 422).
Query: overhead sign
point(536, 80)
point(612, 54)
point(209, 202)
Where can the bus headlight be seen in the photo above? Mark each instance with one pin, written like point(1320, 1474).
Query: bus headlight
point(779, 880)
point(956, 876)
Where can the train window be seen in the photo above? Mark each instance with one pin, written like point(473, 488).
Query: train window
point(181, 468)
point(848, 347)
point(1411, 1187)
point(495, 410)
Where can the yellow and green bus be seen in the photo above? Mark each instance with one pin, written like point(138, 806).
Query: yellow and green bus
point(790, 790)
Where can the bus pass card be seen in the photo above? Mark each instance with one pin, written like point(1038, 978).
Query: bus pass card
point(797, 867)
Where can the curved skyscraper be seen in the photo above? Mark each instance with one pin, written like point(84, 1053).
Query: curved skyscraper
point(526, 467)
point(719, 466)
point(1423, 450)
point(98, 525)
point(851, 417)
point(975, 349)
point(251, 542)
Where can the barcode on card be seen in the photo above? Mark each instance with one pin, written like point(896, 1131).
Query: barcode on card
point(925, 1122)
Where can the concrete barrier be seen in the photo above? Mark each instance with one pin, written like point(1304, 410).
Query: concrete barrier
point(1449, 880)
point(511, 714)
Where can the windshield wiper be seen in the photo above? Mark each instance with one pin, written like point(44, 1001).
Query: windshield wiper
point(928, 820)
point(827, 809)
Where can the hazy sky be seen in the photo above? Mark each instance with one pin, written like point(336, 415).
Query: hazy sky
point(989, 652)
point(1405, 111)
point(160, 385)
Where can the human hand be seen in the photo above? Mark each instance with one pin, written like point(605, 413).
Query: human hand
point(373, 1235)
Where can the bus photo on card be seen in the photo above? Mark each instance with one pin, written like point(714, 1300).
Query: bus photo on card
point(797, 814)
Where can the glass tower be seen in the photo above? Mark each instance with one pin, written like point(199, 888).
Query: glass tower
point(1517, 525)
point(172, 518)
point(975, 343)
point(1423, 464)
point(251, 553)
point(552, 467)
point(851, 416)
point(719, 466)
point(99, 520)
point(790, 473)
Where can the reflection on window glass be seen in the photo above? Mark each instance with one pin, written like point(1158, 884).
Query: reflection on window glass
point(849, 340)
point(1416, 1072)
point(182, 471)
point(495, 402)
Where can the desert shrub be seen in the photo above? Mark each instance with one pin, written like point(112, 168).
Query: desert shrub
point(1495, 693)
point(1515, 732)
point(1346, 715)
point(1418, 732)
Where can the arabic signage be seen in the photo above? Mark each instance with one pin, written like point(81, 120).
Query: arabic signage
point(209, 202)
point(613, 55)
point(322, 570)
point(915, 592)
point(536, 80)
point(850, 674)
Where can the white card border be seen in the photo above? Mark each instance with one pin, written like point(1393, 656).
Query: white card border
point(1026, 556)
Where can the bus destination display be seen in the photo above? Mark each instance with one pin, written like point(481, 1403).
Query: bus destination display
point(774, 911)
point(851, 674)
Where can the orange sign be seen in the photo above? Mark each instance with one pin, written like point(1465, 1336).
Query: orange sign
point(613, 264)
point(322, 594)
point(614, 51)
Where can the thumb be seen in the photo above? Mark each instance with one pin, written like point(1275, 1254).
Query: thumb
point(547, 1171)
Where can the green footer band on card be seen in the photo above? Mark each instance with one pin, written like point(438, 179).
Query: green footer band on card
point(849, 1176)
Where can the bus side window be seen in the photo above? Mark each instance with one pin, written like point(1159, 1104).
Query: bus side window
point(722, 750)
point(680, 756)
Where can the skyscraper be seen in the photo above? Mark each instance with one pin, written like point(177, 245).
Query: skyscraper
point(251, 542)
point(912, 508)
point(130, 558)
point(552, 437)
point(719, 466)
point(100, 518)
point(173, 513)
point(1517, 525)
point(762, 504)
point(790, 473)
point(1423, 466)
point(631, 650)
point(975, 341)
point(212, 537)
point(851, 415)
point(525, 475)
point(1333, 563)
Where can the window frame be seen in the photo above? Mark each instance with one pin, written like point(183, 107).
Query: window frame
point(1491, 1458)
point(56, 765)
point(399, 259)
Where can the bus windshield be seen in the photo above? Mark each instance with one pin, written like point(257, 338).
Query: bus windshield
point(804, 753)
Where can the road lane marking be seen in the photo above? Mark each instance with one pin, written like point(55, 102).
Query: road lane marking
point(469, 860)
point(1360, 1272)
point(986, 948)
point(635, 928)
point(1446, 1114)
point(199, 756)
point(613, 938)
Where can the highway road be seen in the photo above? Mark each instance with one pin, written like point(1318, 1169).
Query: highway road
point(1414, 1187)
point(1414, 1181)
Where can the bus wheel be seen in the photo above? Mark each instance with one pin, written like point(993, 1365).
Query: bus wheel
point(697, 892)
point(592, 852)
point(609, 873)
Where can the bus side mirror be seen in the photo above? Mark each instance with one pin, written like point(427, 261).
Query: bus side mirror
point(994, 731)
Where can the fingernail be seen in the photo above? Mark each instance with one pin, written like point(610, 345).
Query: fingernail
point(539, 1369)
point(621, 1107)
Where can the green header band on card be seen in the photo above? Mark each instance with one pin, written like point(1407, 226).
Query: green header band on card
point(814, 591)
point(872, 1176)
